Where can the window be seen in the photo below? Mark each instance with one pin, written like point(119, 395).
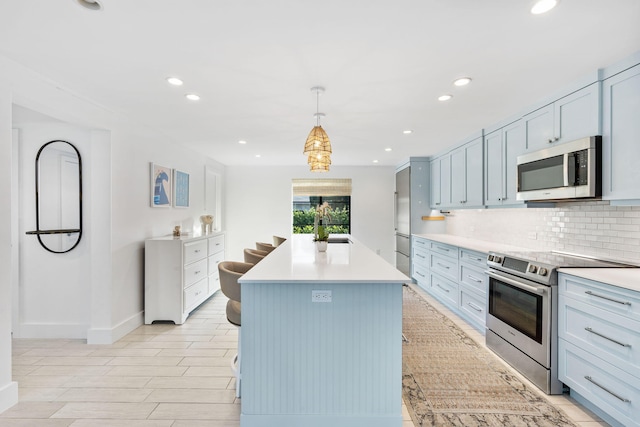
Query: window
point(309, 193)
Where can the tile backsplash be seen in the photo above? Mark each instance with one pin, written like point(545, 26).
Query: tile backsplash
point(588, 228)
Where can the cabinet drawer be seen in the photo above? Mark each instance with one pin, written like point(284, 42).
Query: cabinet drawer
point(447, 267)
point(474, 277)
point(194, 272)
point(419, 242)
point(195, 251)
point(444, 249)
point(214, 283)
point(473, 305)
point(445, 289)
point(421, 275)
point(195, 294)
point(612, 390)
point(420, 256)
point(214, 260)
point(609, 336)
point(611, 298)
point(477, 259)
point(216, 244)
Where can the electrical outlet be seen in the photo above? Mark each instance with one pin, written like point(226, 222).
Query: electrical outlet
point(321, 296)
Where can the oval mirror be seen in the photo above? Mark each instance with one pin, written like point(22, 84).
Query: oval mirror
point(58, 196)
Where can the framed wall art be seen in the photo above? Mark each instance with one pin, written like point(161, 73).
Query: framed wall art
point(181, 186)
point(161, 186)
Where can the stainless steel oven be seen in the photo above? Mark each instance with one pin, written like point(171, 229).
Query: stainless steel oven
point(522, 315)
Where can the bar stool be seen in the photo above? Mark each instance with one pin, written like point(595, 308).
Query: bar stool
point(267, 247)
point(230, 272)
point(277, 240)
point(254, 256)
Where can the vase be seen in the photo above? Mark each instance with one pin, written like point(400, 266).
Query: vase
point(321, 245)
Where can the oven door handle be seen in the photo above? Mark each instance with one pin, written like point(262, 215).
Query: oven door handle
point(539, 290)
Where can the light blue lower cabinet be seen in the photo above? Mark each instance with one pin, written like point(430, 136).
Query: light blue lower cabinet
point(599, 347)
point(473, 306)
point(615, 393)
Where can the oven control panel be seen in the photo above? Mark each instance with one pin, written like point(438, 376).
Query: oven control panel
point(529, 269)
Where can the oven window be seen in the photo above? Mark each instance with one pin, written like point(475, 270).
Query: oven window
point(541, 174)
point(516, 307)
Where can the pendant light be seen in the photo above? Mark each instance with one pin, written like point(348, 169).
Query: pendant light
point(318, 145)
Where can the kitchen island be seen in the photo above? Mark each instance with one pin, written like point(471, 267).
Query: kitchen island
point(321, 341)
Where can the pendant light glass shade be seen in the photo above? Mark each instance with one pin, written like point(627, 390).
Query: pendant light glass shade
point(317, 142)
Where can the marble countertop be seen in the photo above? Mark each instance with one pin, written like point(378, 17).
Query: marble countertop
point(297, 260)
point(628, 278)
point(473, 244)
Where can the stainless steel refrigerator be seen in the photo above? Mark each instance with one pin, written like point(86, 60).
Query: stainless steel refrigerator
point(403, 220)
point(411, 204)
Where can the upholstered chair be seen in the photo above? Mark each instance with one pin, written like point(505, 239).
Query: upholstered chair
point(230, 272)
point(277, 240)
point(267, 247)
point(254, 256)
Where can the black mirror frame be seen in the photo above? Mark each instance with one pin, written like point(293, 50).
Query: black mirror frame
point(78, 230)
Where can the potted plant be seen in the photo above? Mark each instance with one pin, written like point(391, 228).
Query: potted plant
point(322, 218)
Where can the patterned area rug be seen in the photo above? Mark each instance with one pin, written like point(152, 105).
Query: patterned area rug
point(449, 380)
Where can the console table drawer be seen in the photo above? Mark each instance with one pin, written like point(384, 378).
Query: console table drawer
point(195, 294)
point(216, 244)
point(194, 272)
point(195, 251)
point(214, 260)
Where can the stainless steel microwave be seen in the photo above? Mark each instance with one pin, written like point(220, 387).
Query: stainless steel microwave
point(571, 170)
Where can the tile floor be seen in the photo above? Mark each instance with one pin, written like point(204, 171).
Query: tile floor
point(156, 376)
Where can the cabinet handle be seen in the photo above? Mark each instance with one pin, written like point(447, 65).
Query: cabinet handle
point(607, 298)
point(197, 272)
point(444, 289)
point(442, 249)
point(475, 279)
point(588, 329)
point(588, 378)
point(475, 307)
point(479, 259)
point(420, 274)
point(443, 266)
point(421, 256)
point(438, 204)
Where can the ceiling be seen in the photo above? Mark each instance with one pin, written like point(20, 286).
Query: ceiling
point(253, 62)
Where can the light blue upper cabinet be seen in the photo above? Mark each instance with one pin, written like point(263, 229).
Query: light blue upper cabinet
point(467, 175)
point(441, 182)
point(621, 136)
point(571, 117)
point(502, 147)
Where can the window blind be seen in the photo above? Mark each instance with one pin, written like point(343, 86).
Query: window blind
point(321, 187)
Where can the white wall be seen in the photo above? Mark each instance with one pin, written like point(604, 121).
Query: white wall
point(117, 212)
point(258, 205)
point(8, 389)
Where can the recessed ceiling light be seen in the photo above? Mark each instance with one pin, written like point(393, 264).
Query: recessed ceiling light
point(258, 155)
point(375, 161)
point(387, 149)
point(192, 97)
point(90, 4)
point(445, 97)
point(242, 141)
point(543, 6)
point(462, 81)
point(174, 81)
point(407, 132)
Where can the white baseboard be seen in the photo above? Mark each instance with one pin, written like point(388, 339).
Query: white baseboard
point(8, 396)
point(50, 330)
point(111, 335)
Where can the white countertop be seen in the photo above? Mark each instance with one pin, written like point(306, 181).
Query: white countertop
point(628, 278)
point(297, 260)
point(473, 244)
